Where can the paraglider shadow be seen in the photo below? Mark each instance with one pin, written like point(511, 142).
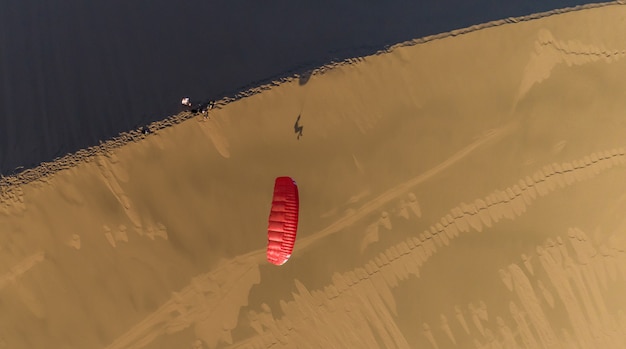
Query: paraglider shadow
point(297, 128)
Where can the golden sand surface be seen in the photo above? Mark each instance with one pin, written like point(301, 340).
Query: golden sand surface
point(465, 191)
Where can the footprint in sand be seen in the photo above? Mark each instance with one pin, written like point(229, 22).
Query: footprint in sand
point(527, 264)
point(403, 210)
point(461, 318)
point(121, 234)
point(385, 221)
point(198, 344)
point(159, 230)
point(254, 322)
point(429, 335)
point(482, 311)
point(550, 52)
point(506, 333)
point(371, 236)
point(445, 326)
point(547, 295)
point(108, 235)
point(506, 279)
point(74, 241)
point(414, 205)
point(474, 314)
point(149, 232)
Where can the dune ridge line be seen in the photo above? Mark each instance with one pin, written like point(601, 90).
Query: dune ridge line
point(9, 184)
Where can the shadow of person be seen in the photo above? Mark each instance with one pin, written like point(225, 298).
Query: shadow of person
point(298, 128)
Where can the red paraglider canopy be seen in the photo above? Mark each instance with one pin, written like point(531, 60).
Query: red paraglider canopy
point(283, 221)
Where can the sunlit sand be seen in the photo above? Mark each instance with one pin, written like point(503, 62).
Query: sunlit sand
point(466, 191)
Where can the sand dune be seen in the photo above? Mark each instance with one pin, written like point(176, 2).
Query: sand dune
point(76, 74)
point(464, 191)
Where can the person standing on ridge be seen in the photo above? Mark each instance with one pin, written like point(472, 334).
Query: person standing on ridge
point(202, 108)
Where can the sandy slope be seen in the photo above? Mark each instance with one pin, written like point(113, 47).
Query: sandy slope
point(75, 74)
point(463, 192)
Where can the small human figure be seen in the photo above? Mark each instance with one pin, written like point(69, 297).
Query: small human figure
point(204, 109)
point(189, 106)
point(194, 108)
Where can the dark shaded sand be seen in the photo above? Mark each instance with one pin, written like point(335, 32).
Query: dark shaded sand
point(463, 192)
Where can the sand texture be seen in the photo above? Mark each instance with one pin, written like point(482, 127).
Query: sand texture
point(465, 191)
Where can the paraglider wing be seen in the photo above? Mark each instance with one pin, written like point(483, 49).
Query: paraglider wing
point(283, 221)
